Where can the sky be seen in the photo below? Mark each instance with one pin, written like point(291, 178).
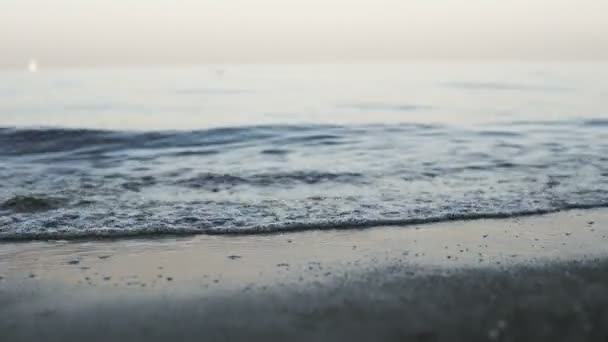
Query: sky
point(127, 32)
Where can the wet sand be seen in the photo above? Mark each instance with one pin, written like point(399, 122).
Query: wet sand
point(532, 278)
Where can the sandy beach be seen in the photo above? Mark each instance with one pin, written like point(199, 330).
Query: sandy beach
point(531, 278)
point(303, 171)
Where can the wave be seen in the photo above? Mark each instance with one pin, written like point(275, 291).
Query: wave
point(213, 181)
point(57, 144)
point(50, 140)
point(30, 204)
point(85, 142)
point(71, 183)
point(288, 227)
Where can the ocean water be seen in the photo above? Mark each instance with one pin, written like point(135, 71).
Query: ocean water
point(115, 152)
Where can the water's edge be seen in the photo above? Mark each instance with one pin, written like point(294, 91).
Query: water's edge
point(295, 228)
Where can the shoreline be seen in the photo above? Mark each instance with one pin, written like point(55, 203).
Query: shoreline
point(288, 228)
point(459, 280)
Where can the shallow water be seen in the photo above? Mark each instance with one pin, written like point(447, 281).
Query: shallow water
point(235, 149)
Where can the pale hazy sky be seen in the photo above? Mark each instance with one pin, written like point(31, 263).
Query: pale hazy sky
point(102, 32)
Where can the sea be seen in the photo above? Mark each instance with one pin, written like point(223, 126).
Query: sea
point(115, 152)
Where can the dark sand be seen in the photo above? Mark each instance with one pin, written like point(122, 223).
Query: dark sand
point(528, 279)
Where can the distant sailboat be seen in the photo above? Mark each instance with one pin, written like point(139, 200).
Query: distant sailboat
point(32, 66)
